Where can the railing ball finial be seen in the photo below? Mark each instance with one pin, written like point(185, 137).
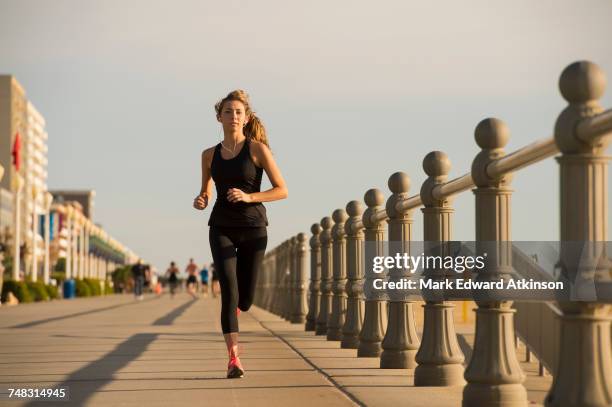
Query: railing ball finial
point(315, 229)
point(354, 208)
point(491, 134)
point(326, 222)
point(374, 197)
point(581, 82)
point(339, 216)
point(399, 182)
point(436, 164)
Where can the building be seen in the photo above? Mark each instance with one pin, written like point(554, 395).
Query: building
point(87, 250)
point(19, 118)
point(13, 121)
point(84, 197)
point(49, 226)
point(6, 212)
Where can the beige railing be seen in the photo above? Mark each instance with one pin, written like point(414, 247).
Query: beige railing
point(571, 338)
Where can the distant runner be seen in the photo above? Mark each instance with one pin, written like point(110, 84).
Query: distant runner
point(172, 278)
point(192, 280)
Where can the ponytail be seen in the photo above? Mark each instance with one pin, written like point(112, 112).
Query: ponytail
point(255, 130)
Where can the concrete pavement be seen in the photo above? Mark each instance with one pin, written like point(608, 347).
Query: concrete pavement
point(169, 351)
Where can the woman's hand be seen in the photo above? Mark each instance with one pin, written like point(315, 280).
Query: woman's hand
point(200, 202)
point(236, 195)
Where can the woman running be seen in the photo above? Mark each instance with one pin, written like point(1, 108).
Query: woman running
point(238, 219)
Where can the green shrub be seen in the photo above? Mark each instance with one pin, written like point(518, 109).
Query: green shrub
point(108, 289)
point(121, 278)
point(59, 276)
point(94, 286)
point(19, 290)
point(82, 288)
point(53, 291)
point(98, 288)
point(38, 290)
point(7, 262)
point(60, 265)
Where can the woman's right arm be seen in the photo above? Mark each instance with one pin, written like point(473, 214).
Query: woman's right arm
point(201, 201)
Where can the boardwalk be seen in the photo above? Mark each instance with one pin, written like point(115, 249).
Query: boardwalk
point(162, 351)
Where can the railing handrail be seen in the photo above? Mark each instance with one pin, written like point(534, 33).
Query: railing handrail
point(523, 157)
point(588, 129)
point(409, 203)
point(591, 128)
point(453, 187)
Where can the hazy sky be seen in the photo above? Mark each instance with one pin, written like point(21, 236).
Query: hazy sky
point(350, 91)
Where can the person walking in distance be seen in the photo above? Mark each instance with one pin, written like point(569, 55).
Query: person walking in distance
point(192, 279)
point(215, 281)
point(238, 220)
point(204, 280)
point(172, 278)
point(138, 272)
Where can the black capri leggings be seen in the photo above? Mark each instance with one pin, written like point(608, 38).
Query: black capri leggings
point(238, 253)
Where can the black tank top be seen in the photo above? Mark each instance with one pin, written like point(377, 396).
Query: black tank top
point(242, 173)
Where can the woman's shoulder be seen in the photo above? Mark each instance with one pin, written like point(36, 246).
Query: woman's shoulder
point(210, 150)
point(258, 152)
point(208, 153)
point(258, 148)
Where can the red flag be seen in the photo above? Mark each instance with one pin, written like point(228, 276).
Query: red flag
point(17, 151)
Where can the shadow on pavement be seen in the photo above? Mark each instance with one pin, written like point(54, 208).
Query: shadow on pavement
point(104, 368)
point(78, 314)
point(169, 318)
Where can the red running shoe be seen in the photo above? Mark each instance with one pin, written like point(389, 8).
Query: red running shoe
point(234, 370)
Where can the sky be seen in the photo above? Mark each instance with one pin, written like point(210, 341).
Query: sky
point(350, 92)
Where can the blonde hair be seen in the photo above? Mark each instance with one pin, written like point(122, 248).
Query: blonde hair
point(254, 129)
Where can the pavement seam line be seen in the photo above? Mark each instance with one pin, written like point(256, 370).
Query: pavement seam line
point(315, 367)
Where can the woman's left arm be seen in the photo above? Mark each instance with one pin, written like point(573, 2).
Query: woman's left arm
point(263, 158)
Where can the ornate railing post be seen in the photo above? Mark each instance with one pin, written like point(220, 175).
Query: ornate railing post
point(289, 272)
point(439, 357)
point(277, 274)
point(336, 317)
point(401, 340)
point(291, 280)
point(354, 273)
point(494, 374)
point(299, 296)
point(325, 306)
point(375, 318)
point(278, 279)
point(269, 280)
point(260, 291)
point(285, 305)
point(278, 290)
point(265, 285)
point(315, 277)
point(584, 371)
